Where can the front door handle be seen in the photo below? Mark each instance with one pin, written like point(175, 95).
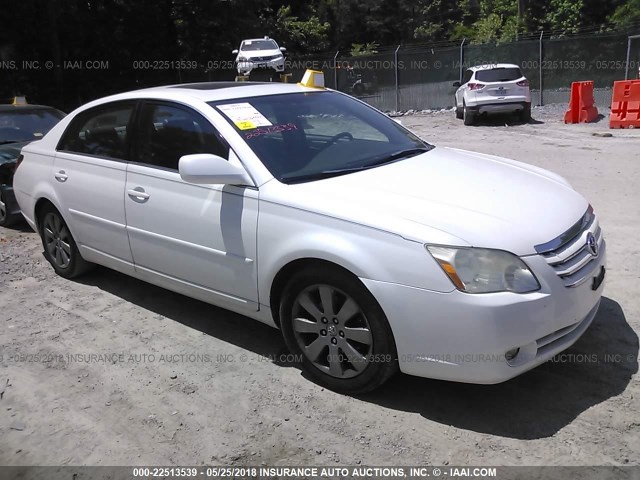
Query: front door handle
point(138, 194)
point(61, 176)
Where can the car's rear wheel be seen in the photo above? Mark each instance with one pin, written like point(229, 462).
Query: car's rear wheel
point(468, 116)
point(525, 114)
point(60, 248)
point(6, 218)
point(340, 332)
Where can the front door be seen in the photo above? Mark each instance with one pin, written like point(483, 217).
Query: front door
point(195, 239)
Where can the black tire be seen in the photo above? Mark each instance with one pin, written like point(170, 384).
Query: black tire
point(60, 248)
point(525, 114)
point(459, 114)
point(6, 218)
point(376, 355)
point(468, 116)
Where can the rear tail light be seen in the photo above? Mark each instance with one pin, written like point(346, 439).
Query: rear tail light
point(523, 83)
point(476, 86)
point(18, 161)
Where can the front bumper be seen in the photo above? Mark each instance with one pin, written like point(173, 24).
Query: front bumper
point(462, 337)
point(245, 68)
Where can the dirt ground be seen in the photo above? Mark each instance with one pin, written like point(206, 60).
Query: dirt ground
point(107, 370)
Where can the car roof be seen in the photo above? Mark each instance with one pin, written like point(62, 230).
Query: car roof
point(491, 66)
point(256, 39)
point(211, 91)
point(13, 108)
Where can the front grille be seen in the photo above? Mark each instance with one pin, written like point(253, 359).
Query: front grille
point(264, 59)
point(569, 254)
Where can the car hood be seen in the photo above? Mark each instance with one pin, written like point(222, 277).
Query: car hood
point(9, 152)
point(260, 53)
point(447, 196)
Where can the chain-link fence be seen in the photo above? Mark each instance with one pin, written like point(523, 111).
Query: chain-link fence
point(401, 77)
point(421, 77)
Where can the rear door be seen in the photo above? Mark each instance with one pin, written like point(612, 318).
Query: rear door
point(89, 178)
point(196, 239)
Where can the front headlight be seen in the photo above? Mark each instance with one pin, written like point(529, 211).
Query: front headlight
point(242, 59)
point(483, 270)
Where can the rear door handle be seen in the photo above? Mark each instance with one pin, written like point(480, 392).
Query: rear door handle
point(61, 176)
point(138, 194)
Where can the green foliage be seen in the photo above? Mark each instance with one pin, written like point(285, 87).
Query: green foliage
point(309, 35)
point(565, 15)
point(361, 49)
point(498, 22)
point(626, 14)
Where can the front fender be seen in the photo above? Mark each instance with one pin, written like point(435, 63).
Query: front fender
point(287, 234)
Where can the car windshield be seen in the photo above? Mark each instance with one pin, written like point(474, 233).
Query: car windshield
point(24, 124)
point(499, 75)
point(309, 136)
point(252, 45)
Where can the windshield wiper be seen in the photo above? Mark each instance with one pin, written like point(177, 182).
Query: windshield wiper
point(318, 175)
point(6, 142)
point(389, 158)
point(392, 157)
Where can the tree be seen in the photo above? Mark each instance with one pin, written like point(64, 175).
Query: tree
point(565, 15)
point(309, 35)
point(626, 14)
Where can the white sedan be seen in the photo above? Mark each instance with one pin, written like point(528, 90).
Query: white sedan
point(311, 211)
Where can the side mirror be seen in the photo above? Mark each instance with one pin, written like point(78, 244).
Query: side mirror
point(234, 52)
point(282, 49)
point(208, 169)
point(456, 84)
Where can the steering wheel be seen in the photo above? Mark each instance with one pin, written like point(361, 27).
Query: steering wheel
point(337, 137)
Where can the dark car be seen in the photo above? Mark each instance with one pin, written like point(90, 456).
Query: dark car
point(19, 125)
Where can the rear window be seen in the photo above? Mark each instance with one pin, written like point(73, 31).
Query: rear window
point(499, 75)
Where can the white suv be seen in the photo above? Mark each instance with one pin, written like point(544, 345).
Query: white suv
point(261, 53)
point(498, 88)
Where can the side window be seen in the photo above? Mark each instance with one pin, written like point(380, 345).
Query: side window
point(100, 131)
point(467, 76)
point(168, 132)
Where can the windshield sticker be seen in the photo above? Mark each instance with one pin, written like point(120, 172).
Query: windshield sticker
point(285, 127)
point(244, 116)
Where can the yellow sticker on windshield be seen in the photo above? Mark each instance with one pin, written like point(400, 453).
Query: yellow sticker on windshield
point(244, 116)
point(245, 125)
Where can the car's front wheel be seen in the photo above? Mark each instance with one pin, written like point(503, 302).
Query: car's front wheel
point(342, 335)
point(60, 248)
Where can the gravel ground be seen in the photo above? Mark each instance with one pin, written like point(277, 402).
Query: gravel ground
point(175, 381)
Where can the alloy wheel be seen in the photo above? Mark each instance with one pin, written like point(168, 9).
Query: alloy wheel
point(332, 331)
point(57, 240)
